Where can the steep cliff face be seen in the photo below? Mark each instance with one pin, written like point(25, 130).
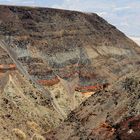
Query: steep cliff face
point(51, 42)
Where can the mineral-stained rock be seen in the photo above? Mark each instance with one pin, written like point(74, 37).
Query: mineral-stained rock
point(68, 43)
point(67, 52)
point(106, 115)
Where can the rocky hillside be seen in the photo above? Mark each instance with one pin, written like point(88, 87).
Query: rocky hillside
point(136, 39)
point(51, 42)
point(113, 114)
point(25, 112)
point(51, 61)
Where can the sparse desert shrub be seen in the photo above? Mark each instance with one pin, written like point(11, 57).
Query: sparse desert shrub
point(34, 126)
point(131, 84)
point(37, 137)
point(19, 133)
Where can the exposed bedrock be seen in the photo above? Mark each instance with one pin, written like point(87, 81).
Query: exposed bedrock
point(107, 115)
point(68, 52)
point(53, 43)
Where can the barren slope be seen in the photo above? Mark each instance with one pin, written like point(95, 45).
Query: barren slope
point(136, 39)
point(24, 109)
point(50, 42)
point(113, 114)
point(67, 53)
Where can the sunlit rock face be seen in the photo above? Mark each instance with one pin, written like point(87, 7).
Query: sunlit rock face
point(136, 39)
point(112, 114)
point(53, 43)
point(47, 58)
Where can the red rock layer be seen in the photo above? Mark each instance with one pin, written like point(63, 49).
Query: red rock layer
point(84, 89)
point(50, 82)
point(55, 80)
point(7, 67)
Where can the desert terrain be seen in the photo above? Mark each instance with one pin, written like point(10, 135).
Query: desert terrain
point(136, 39)
point(66, 75)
